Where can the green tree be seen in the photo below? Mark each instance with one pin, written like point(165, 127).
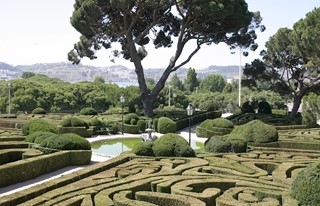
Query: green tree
point(284, 67)
point(99, 80)
point(191, 81)
point(227, 89)
point(26, 75)
point(176, 82)
point(150, 81)
point(135, 24)
point(213, 83)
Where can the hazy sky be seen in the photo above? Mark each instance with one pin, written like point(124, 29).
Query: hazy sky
point(39, 31)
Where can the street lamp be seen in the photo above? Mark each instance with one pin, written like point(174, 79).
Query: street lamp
point(169, 95)
point(189, 112)
point(122, 100)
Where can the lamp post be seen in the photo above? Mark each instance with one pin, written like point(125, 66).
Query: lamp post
point(240, 78)
point(189, 112)
point(169, 95)
point(122, 100)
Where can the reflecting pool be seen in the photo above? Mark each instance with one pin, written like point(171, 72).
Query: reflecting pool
point(115, 147)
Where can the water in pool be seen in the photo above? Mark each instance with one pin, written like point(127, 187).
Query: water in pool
point(117, 146)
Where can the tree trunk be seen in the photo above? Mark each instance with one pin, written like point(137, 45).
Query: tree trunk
point(296, 104)
point(148, 106)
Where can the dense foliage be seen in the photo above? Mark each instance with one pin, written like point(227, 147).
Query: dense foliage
point(67, 141)
point(166, 125)
point(38, 125)
point(306, 186)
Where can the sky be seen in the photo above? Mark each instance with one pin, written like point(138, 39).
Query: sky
point(39, 31)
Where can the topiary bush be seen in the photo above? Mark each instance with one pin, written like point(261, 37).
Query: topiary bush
point(32, 137)
point(306, 187)
point(66, 122)
point(39, 110)
point(247, 108)
point(264, 108)
point(255, 131)
point(225, 144)
point(172, 145)
point(133, 122)
point(114, 128)
point(143, 148)
point(38, 125)
point(67, 141)
point(96, 122)
point(212, 127)
point(166, 125)
point(88, 111)
point(155, 124)
point(128, 118)
point(76, 122)
point(142, 125)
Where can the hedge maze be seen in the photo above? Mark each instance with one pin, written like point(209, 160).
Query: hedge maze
point(259, 177)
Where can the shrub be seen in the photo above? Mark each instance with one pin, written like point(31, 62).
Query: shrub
point(306, 187)
point(143, 148)
point(88, 111)
point(131, 129)
point(76, 122)
point(66, 122)
point(129, 117)
point(95, 122)
point(39, 110)
point(155, 124)
point(247, 108)
point(212, 127)
point(172, 145)
point(68, 141)
point(142, 125)
point(133, 122)
point(114, 128)
point(31, 137)
point(264, 108)
point(255, 131)
point(225, 144)
point(166, 125)
point(38, 125)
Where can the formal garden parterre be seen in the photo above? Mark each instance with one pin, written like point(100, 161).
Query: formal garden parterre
point(265, 173)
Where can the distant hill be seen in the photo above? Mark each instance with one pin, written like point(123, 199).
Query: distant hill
point(113, 74)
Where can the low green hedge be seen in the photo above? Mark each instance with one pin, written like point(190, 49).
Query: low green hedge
point(88, 111)
point(32, 167)
point(82, 131)
point(38, 110)
point(131, 129)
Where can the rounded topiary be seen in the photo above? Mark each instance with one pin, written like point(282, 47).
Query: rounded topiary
point(76, 122)
point(247, 108)
point(133, 122)
point(225, 144)
point(32, 137)
point(306, 187)
point(88, 111)
point(129, 117)
point(255, 131)
point(166, 125)
point(114, 128)
point(264, 108)
point(95, 122)
point(172, 145)
point(38, 125)
point(67, 141)
point(39, 110)
point(142, 125)
point(66, 122)
point(143, 148)
point(212, 127)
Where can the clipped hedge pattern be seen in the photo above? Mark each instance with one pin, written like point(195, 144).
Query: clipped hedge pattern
point(254, 178)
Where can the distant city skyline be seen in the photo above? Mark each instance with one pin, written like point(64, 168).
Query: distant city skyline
point(39, 31)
